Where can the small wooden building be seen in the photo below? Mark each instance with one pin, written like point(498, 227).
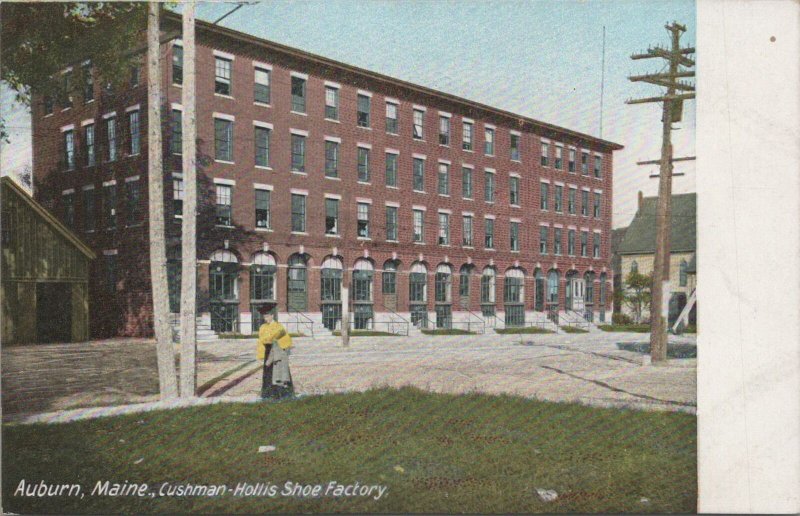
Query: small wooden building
point(45, 274)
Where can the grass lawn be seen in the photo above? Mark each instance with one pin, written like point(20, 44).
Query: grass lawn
point(253, 335)
point(365, 333)
point(573, 329)
point(525, 330)
point(434, 453)
point(447, 331)
point(633, 328)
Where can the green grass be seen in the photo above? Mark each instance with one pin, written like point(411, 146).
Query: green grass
point(434, 452)
point(234, 336)
point(573, 329)
point(365, 333)
point(525, 330)
point(447, 331)
point(633, 328)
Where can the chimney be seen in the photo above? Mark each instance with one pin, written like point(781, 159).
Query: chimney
point(641, 198)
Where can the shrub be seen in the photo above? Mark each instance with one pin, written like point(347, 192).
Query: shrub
point(619, 318)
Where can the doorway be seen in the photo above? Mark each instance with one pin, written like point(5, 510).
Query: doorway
point(53, 312)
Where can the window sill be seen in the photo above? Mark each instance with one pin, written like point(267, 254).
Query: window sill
point(418, 243)
point(298, 113)
point(224, 162)
point(418, 140)
point(85, 102)
point(332, 120)
point(489, 202)
point(229, 97)
point(467, 199)
point(299, 172)
point(392, 134)
point(444, 145)
point(419, 191)
point(66, 109)
point(303, 233)
point(48, 115)
point(137, 225)
point(468, 150)
point(178, 217)
point(444, 195)
point(516, 160)
point(467, 247)
point(515, 252)
point(364, 127)
point(393, 187)
point(177, 85)
point(262, 167)
point(261, 104)
point(329, 235)
point(488, 155)
point(264, 230)
point(393, 241)
point(444, 245)
point(224, 226)
point(333, 178)
point(516, 206)
point(492, 249)
point(363, 183)
point(364, 238)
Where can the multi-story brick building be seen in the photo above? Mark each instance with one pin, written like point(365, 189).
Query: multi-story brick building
point(314, 174)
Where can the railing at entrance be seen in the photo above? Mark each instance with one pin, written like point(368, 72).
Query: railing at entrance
point(575, 320)
point(394, 327)
point(299, 323)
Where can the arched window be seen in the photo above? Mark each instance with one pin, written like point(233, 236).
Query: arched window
point(262, 285)
point(488, 285)
point(514, 286)
point(463, 279)
point(634, 266)
point(330, 277)
point(552, 287)
point(417, 283)
point(223, 290)
point(442, 283)
point(362, 294)
point(683, 275)
point(296, 284)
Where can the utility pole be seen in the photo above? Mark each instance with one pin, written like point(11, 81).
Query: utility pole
point(189, 223)
point(672, 111)
point(168, 383)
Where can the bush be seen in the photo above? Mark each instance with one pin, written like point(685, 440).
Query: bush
point(573, 329)
point(619, 318)
point(525, 330)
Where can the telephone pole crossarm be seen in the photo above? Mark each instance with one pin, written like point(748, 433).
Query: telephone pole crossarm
point(682, 96)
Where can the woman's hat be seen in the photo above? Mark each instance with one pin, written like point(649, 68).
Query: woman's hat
point(266, 308)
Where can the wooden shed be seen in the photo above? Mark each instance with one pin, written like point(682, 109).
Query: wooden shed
point(45, 274)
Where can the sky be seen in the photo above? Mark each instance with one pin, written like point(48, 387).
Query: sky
point(541, 59)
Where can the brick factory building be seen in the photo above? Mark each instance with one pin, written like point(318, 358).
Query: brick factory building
point(315, 174)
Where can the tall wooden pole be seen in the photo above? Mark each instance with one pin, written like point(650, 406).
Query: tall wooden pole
point(189, 222)
point(155, 180)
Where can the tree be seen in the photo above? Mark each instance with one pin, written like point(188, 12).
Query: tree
point(41, 39)
point(637, 293)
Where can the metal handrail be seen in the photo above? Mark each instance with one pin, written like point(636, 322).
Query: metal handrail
point(307, 323)
point(470, 314)
point(577, 320)
point(391, 327)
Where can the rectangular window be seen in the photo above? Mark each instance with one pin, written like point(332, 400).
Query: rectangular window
point(558, 201)
point(363, 165)
point(488, 233)
point(488, 144)
point(177, 65)
point(585, 163)
point(513, 190)
point(514, 233)
point(596, 205)
point(363, 111)
point(261, 85)
point(298, 153)
point(48, 105)
point(177, 197)
point(262, 137)
point(444, 179)
point(571, 201)
point(110, 206)
point(136, 73)
point(557, 241)
point(571, 242)
point(559, 161)
point(515, 153)
point(111, 272)
point(88, 210)
point(466, 231)
point(263, 208)
point(298, 94)
point(66, 91)
point(467, 136)
point(69, 209)
point(488, 186)
point(391, 169)
point(419, 225)
point(69, 149)
point(176, 142)
point(88, 83)
point(571, 162)
point(111, 138)
point(331, 159)
point(596, 245)
point(391, 223)
point(224, 205)
point(331, 103)
point(444, 130)
point(391, 118)
point(133, 198)
point(222, 76)
point(331, 216)
point(298, 213)
point(133, 129)
point(545, 154)
point(444, 229)
point(544, 193)
point(419, 119)
point(584, 242)
point(88, 142)
point(584, 203)
point(419, 175)
point(223, 140)
point(363, 220)
point(543, 230)
point(598, 165)
point(466, 183)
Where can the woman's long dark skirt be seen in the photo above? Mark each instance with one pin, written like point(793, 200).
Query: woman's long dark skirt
point(267, 388)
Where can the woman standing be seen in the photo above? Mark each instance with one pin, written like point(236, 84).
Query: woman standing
point(273, 347)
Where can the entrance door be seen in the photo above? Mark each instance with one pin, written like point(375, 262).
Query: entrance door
point(444, 316)
point(297, 297)
point(53, 312)
point(578, 292)
point(539, 300)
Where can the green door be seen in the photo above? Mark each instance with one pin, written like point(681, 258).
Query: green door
point(297, 285)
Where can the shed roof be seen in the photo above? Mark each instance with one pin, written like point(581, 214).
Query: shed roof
point(640, 238)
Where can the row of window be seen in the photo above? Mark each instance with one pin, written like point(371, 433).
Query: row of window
point(263, 220)
point(558, 200)
point(90, 149)
point(262, 78)
point(107, 198)
point(67, 88)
